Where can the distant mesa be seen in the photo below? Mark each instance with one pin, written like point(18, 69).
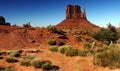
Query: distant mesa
point(75, 18)
point(2, 21)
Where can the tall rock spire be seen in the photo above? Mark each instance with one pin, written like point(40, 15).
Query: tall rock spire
point(84, 13)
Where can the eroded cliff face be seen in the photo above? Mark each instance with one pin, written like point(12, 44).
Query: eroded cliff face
point(74, 12)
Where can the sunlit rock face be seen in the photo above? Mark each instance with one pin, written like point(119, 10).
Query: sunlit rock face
point(74, 12)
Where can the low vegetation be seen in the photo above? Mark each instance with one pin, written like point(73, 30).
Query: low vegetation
point(68, 50)
point(107, 35)
point(47, 66)
point(15, 54)
point(87, 45)
point(37, 63)
point(55, 42)
point(11, 60)
point(9, 69)
point(52, 42)
point(107, 56)
point(63, 49)
point(71, 52)
point(82, 52)
point(25, 61)
point(52, 29)
point(53, 48)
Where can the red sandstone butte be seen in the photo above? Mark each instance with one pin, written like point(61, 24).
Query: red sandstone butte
point(75, 18)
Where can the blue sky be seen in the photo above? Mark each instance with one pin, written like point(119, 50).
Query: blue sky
point(45, 12)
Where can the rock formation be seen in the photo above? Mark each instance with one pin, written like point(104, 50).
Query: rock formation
point(74, 12)
point(75, 18)
point(2, 21)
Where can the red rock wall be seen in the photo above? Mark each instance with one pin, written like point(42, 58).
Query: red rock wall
point(74, 12)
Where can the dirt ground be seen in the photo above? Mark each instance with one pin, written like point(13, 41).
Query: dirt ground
point(16, 38)
point(65, 63)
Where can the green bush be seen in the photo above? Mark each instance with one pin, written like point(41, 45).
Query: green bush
point(30, 57)
point(53, 48)
point(47, 66)
point(106, 42)
point(64, 48)
point(82, 52)
point(8, 69)
point(52, 42)
point(37, 63)
point(52, 29)
point(71, 52)
point(101, 59)
point(25, 61)
point(15, 54)
point(11, 60)
point(101, 49)
point(109, 58)
point(107, 34)
point(87, 45)
point(24, 25)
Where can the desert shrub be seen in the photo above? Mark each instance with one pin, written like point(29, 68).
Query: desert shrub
point(53, 48)
point(29, 57)
point(52, 29)
point(101, 49)
point(101, 59)
point(47, 66)
point(25, 25)
point(64, 48)
point(78, 37)
point(52, 42)
point(87, 45)
point(25, 61)
point(9, 69)
point(11, 60)
point(37, 63)
point(106, 42)
point(107, 34)
point(87, 39)
point(72, 52)
point(109, 58)
point(82, 52)
point(15, 54)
